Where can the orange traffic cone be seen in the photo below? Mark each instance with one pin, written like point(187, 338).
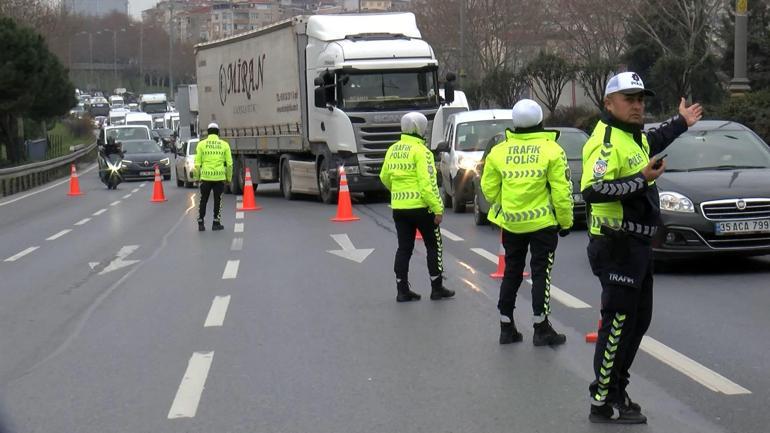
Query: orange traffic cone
point(344, 207)
point(591, 337)
point(157, 188)
point(74, 182)
point(418, 236)
point(500, 272)
point(248, 195)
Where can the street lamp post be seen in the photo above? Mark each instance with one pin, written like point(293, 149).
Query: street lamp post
point(740, 82)
point(115, 53)
point(90, 55)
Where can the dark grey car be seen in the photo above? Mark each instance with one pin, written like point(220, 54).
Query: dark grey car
point(571, 140)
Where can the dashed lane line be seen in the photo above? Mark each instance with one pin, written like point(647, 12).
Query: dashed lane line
point(83, 221)
point(188, 396)
point(486, 254)
point(237, 244)
point(451, 236)
point(127, 196)
point(58, 235)
point(134, 190)
point(20, 254)
point(99, 212)
point(231, 270)
point(239, 215)
point(238, 228)
point(217, 312)
point(695, 371)
point(141, 185)
point(115, 203)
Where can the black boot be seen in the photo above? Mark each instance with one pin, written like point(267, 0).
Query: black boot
point(545, 335)
point(217, 226)
point(509, 334)
point(631, 405)
point(614, 413)
point(201, 226)
point(438, 291)
point(405, 294)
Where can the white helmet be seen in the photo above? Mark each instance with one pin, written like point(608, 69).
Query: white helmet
point(414, 123)
point(213, 125)
point(526, 114)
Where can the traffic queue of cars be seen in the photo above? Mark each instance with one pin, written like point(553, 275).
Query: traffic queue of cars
point(714, 194)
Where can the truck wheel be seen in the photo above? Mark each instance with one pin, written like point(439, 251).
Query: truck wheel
point(479, 217)
point(286, 181)
point(325, 186)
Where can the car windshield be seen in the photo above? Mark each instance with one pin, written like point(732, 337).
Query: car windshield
point(717, 150)
point(472, 136)
point(148, 146)
point(572, 142)
point(387, 90)
point(159, 107)
point(165, 133)
point(128, 134)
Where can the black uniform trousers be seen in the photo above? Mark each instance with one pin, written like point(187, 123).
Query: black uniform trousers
point(542, 245)
point(625, 274)
point(207, 187)
point(408, 221)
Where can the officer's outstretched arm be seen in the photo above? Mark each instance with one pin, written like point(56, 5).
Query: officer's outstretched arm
point(385, 173)
point(600, 182)
point(561, 189)
point(426, 180)
point(228, 163)
point(659, 138)
point(491, 180)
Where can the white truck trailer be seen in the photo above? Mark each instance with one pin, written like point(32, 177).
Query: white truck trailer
point(300, 98)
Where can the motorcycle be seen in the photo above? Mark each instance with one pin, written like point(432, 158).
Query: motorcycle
point(109, 170)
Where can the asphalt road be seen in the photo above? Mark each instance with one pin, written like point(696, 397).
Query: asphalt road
point(117, 315)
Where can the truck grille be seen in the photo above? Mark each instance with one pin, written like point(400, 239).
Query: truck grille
point(736, 209)
point(379, 137)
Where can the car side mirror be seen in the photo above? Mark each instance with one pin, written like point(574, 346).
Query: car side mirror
point(442, 146)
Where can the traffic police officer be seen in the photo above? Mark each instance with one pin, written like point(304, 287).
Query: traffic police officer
point(213, 167)
point(619, 185)
point(409, 173)
point(527, 181)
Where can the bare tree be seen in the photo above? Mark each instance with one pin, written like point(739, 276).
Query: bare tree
point(547, 75)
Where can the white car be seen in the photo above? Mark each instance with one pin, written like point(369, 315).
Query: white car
point(143, 119)
point(466, 137)
point(124, 132)
point(185, 163)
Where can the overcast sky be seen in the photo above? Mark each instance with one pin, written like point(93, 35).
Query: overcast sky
point(135, 7)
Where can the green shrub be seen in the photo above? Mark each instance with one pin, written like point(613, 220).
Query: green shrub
point(752, 110)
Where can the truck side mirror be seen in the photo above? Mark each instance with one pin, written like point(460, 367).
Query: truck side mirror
point(320, 96)
point(449, 88)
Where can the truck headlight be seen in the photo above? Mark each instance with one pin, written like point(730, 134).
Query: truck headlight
point(467, 163)
point(675, 202)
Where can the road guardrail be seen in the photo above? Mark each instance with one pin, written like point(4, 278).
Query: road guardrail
point(24, 177)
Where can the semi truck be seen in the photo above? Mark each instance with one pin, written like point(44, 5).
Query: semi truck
point(301, 98)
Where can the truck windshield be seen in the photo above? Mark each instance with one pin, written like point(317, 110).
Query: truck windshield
point(361, 91)
point(159, 107)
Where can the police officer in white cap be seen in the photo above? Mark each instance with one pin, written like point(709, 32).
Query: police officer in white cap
point(527, 182)
point(213, 167)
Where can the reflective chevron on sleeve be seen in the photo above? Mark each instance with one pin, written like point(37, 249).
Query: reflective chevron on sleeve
point(528, 215)
point(619, 188)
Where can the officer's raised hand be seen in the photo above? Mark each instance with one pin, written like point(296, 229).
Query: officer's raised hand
point(691, 114)
point(651, 172)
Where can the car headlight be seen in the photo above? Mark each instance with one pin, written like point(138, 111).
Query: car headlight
point(675, 202)
point(126, 163)
point(467, 163)
point(165, 161)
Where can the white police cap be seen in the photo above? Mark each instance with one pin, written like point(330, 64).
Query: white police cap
point(213, 125)
point(414, 123)
point(526, 114)
point(628, 83)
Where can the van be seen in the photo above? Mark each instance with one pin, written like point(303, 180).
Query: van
point(143, 119)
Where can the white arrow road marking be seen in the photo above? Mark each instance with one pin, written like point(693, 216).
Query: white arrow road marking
point(188, 396)
point(697, 372)
point(115, 203)
point(237, 244)
point(451, 236)
point(217, 312)
point(83, 221)
point(348, 251)
point(99, 212)
point(93, 265)
point(120, 261)
point(238, 228)
point(21, 254)
point(58, 235)
point(231, 270)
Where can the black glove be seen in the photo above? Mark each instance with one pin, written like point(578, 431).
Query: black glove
point(563, 232)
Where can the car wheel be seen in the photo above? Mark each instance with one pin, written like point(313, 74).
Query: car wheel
point(285, 181)
point(445, 197)
point(479, 217)
point(458, 205)
point(179, 182)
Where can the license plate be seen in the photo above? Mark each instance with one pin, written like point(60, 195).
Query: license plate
point(147, 173)
point(742, 227)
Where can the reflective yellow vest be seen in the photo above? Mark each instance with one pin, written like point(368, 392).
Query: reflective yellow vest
point(213, 160)
point(410, 174)
point(527, 182)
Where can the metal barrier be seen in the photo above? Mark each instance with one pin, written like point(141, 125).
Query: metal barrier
point(24, 177)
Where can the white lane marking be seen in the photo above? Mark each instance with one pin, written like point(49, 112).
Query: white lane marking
point(188, 396)
point(120, 261)
point(451, 236)
point(14, 200)
point(486, 254)
point(239, 198)
point(127, 196)
point(83, 221)
point(134, 190)
point(556, 293)
point(115, 203)
point(99, 212)
point(695, 371)
point(238, 228)
point(231, 270)
point(20, 254)
point(237, 244)
point(217, 312)
point(58, 235)
point(239, 215)
point(141, 185)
